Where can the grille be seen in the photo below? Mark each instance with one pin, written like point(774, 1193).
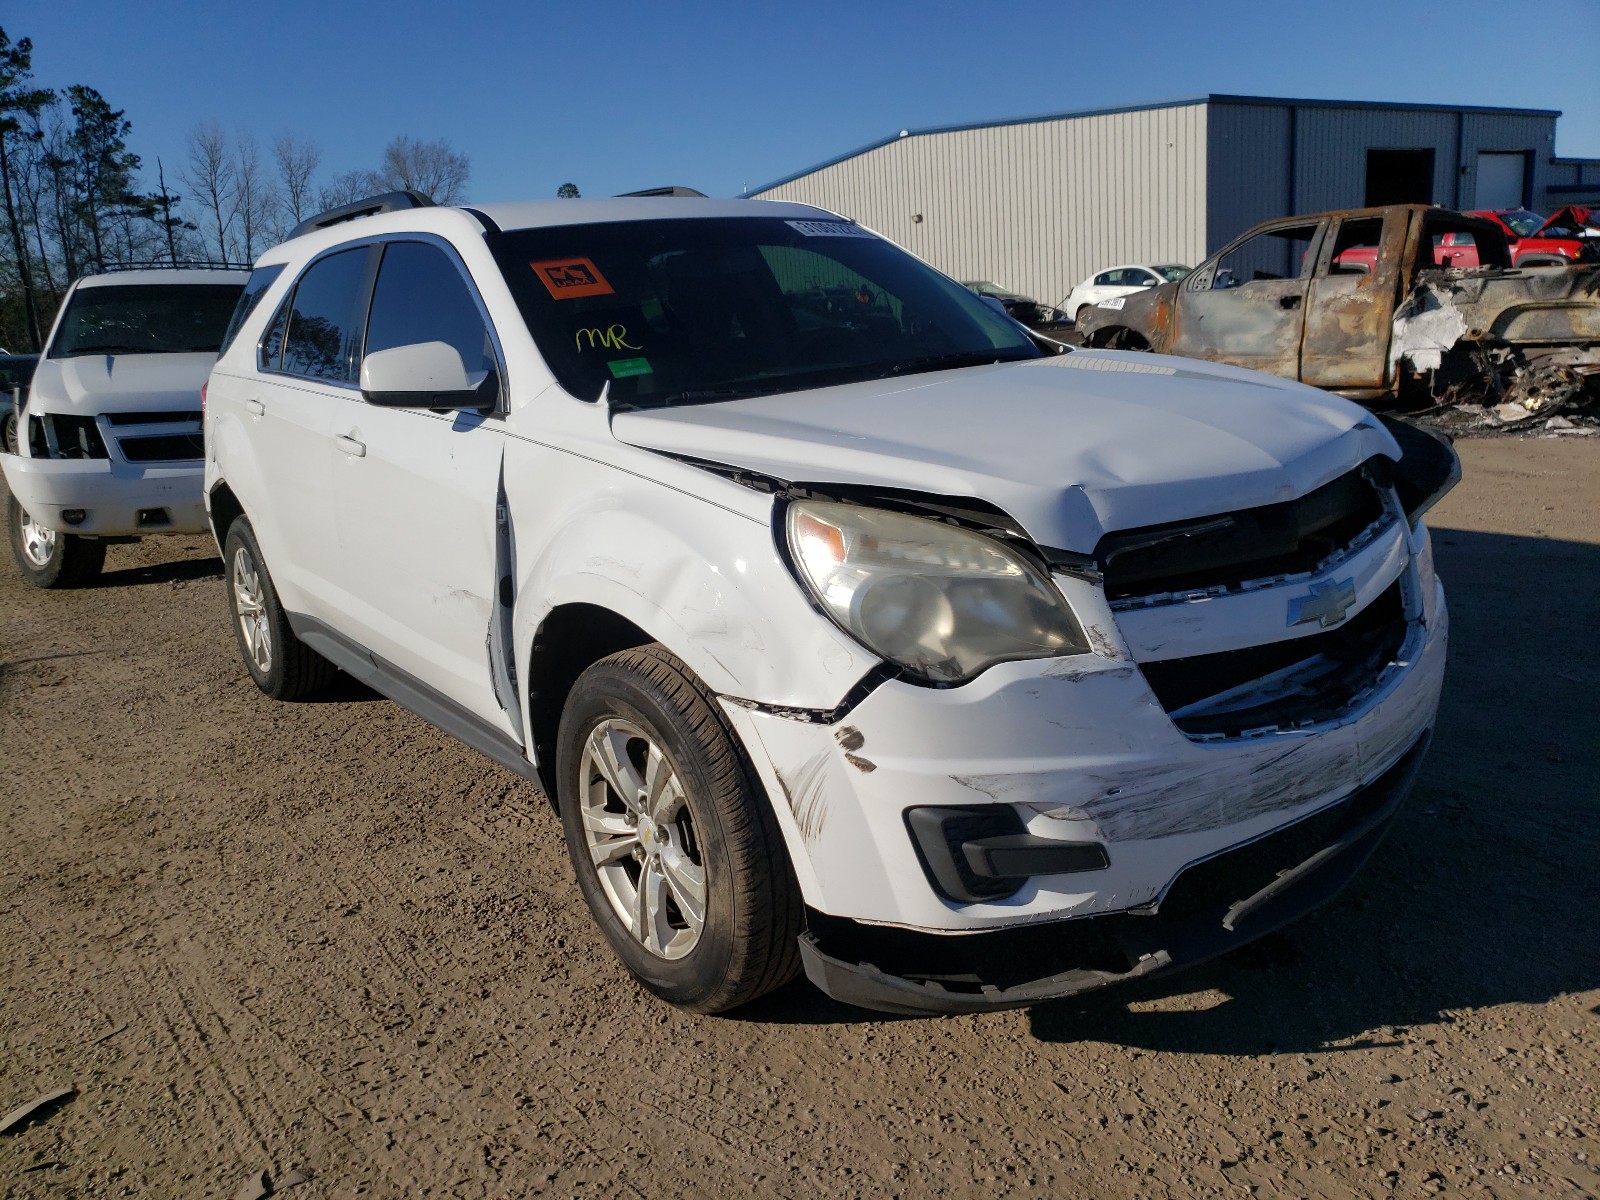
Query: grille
point(1284, 685)
point(177, 447)
point(1231, 549)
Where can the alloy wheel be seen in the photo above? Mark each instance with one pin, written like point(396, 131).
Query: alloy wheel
point(38, 543)
point(255, 632)
point(641, 837)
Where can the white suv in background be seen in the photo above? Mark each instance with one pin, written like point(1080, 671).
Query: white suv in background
point(847, 625)
point(108, 446)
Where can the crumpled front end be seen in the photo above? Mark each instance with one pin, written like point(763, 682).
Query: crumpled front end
point(1046, 827)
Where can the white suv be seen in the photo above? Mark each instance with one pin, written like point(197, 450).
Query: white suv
point(108, 447)
point(846, 625)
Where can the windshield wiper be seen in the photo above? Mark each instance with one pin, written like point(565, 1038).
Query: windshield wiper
point(107, 348)
point(944, 362)
point(741, 391)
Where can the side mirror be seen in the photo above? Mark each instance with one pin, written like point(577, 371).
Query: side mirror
point(423, 375)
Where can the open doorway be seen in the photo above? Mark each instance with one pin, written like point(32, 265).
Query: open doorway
point(1399, 177)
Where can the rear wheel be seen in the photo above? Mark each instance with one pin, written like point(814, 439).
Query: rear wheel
point(675, 849)
point(281, 665)
point(49, 559)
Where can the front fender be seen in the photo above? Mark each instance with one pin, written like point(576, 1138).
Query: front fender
point(702, 579)
point(1147, 313)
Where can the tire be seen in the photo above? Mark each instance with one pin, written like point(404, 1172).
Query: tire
point(281, 665)
point(49, 559)
point(641, 722)
point(1118, 337)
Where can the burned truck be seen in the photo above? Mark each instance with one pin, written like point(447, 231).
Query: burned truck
point(1376, 305)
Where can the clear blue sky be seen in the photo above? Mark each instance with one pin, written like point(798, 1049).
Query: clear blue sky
point(721, 96)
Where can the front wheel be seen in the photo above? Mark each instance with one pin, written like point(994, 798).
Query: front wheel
point(49, 559)
point(675, 849)
point(281, 665)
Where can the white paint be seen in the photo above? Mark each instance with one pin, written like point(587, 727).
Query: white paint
point(1069, 452)
point(1425, 327)
point(113, 490)
point(1070, 447)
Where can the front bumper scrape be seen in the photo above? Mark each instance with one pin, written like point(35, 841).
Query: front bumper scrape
point(1212, 906)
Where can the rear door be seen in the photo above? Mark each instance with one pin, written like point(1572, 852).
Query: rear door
point(417, 491)
point(307, 374)
point(1246, 306)
point(1350, 309)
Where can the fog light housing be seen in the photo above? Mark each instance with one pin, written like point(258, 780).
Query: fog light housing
point(74, 516)
point(983, 852)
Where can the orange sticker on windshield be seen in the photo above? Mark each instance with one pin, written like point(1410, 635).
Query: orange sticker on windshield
point(569, 278)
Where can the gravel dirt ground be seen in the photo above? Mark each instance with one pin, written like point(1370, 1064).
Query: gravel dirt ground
point(324, 940)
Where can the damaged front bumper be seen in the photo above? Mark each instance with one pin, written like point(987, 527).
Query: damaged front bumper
point(1110, 816)
point(1212, 906)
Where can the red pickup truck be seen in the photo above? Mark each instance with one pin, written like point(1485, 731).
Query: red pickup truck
point(1559, 242)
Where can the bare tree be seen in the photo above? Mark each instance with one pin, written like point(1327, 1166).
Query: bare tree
point(19, 99)
point(209, 177)
point(432, 168)
point(297, 163)
point(347, 186)
point(252, 198)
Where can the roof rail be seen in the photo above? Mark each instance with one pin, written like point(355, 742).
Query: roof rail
point(674, 190)
point(370, 207)
point(162, 264)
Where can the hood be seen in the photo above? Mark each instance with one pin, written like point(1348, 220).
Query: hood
point(97, 383)
point(1565, 223)
point(1071, 447)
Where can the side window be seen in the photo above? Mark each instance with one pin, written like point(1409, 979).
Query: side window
point(1355, 250)
point(1282, 253)
point(1103, 279)
point(319, 329)
point(260, 280)
point(421, 296)
point(1145, 279)
point(1471, 247)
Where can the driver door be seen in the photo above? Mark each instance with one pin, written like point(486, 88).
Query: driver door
point(1246, 306)
point(417, 492)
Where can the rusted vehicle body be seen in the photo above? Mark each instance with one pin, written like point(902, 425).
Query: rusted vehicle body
point(1358, 303)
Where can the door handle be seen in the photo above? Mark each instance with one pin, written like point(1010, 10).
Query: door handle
point(1288, 301)
point(254, 407)
point(350, 446)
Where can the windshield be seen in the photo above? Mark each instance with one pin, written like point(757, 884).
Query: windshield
point(150, 318)
point(690, 311)
point(1522, 222)
point(1171, 271)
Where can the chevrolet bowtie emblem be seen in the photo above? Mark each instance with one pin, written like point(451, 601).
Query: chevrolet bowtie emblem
point(1326, 605)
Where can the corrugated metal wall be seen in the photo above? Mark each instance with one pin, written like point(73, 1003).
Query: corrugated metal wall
point(1248, 179)
point(1035, 206)
point(1039, 205)
point(1571, 181)
point(1271, 160)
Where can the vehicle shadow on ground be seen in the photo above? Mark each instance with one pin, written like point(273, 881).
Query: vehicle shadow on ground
point(181, 570)
point(1485, 891)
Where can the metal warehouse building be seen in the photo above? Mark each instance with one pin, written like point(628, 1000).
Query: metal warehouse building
point(1040, 203)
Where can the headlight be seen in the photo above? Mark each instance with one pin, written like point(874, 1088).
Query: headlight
point(941, 602)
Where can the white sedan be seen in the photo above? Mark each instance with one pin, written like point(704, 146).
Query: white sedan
point(1119, 281)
